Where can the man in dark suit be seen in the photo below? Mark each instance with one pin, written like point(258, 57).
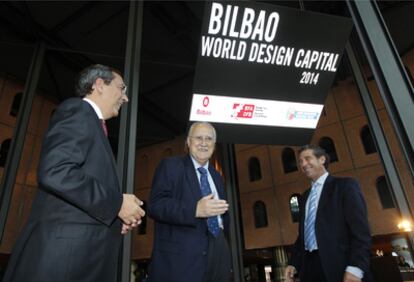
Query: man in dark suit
point(78, 215)
point(188, 206)
point(334, 239)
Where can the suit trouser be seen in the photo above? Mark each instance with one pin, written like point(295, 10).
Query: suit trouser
point(218, 259)
point(312, 269)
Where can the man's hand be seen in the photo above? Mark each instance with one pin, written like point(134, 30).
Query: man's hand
point(290, 272)
point(131, 211)
point(349, 277)
point(208, 206)
point(125, 228)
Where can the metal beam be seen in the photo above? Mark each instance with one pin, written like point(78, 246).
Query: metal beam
point(129, 116)
point(390, 167)
point(236, 242)
point(392, 80)
point(19, 135)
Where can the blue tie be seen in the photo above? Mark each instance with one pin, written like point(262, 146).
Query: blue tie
point(212, 222)
point(310, 238)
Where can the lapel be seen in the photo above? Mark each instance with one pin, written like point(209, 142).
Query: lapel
point(217, 181)
point(302, 207)
point(326, 194)
point(101, 134)
point(191, 178)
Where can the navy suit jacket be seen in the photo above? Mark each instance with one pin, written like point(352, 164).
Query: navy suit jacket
point(180, 239)
point(341, 228)
point(73, 232)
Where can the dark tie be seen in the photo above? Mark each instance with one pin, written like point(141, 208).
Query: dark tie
point(212, 222)
point(105, 129)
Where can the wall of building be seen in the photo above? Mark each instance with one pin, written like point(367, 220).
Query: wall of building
point(26, 180)
point(342, 121)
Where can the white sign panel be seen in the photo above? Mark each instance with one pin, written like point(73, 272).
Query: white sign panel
point(235, 110)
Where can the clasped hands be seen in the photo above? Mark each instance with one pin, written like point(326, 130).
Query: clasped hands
point(208, 206)
point(131, 212)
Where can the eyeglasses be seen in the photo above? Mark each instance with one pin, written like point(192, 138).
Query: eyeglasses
point(201, 139)
point(123, 88)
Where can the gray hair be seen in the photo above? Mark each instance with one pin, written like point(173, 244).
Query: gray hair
point(89, 75)
point(194, 125)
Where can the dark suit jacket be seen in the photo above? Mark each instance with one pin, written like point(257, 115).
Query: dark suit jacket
point(73, 233)
point(341, 228)
point(180, 239)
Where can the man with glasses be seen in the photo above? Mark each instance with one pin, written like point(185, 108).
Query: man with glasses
point(190, 213)
point(79, 213)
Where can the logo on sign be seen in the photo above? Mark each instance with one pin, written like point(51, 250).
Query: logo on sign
point(243, 110)
point(293, 114)
point(204, 111)
point(206, 101)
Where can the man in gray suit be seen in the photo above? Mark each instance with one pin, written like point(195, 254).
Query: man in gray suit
point(78, 216)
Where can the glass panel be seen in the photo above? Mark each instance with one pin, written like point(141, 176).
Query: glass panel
point(15, 58)
point(76, 35)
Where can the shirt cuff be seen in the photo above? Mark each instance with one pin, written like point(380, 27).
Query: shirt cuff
point(355, 271)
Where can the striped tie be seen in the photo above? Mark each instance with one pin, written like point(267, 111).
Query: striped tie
point(212, 222)
point(310, 238)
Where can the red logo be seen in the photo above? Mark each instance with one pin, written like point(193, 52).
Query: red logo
point(206, 101)
point(243, 110)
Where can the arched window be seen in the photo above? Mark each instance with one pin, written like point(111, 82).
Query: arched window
point(367, 141)
point(289, 160)
point(384, 193)
point(4, 151)
point(329, 146)
point(142, 228)
point(260, 214)
point(294, 207)
point(255, 172)
point(14, 111)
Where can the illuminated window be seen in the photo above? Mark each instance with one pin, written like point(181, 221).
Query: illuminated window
point(260, 214)
point(4, 151)
point(289, 160)
point(329, 146)
point(384, 193)
point(17, 100)
point(294, 207)
point(367, 141)
point(255, 172)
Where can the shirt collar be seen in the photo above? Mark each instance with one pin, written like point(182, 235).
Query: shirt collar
point(197, 165)
point(321, 180)
point(95, 107)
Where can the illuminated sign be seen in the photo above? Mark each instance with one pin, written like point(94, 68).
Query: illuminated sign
point(264, 71)
point(236, 110)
